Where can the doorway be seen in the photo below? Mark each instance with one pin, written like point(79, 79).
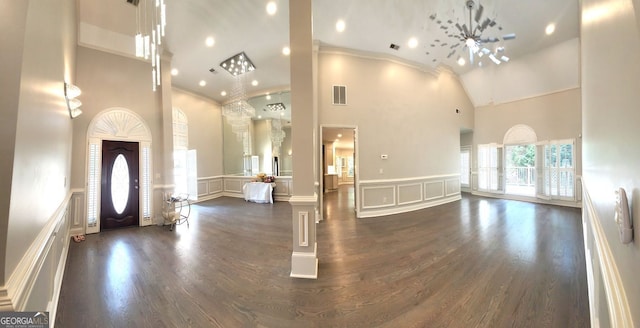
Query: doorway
point(119, 201)
point(338, 172)
point(520, 170)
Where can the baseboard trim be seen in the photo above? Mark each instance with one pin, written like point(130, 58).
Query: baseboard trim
point(305, 265)
point(576, 204)
point(619, 310)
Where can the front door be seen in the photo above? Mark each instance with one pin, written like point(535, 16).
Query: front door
point(120, 197)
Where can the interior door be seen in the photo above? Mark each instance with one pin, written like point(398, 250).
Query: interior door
point(120, 192)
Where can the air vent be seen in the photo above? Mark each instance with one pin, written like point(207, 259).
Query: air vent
point(394, 46)
point(339, 95)
point(133, 2)
point(212, 71)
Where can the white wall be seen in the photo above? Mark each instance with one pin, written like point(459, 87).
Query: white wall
point(400, 111)
point(205, 130)
point(466, 139)
point(547, 71)
point(38, 56)
point(233, 150)
point(610, 101)
point(554, 116)
point(262, 146)
point(104, 86)
point(42, 149)
point(405, 113)
point(13, 19)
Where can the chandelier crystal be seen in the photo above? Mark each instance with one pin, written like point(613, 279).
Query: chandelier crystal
point(238, 112)
point(277, 135)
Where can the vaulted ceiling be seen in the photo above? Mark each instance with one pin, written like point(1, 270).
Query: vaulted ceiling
point(369, 26)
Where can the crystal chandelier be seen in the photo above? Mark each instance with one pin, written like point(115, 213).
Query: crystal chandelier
point(151, 22)
point(238, 111)
point(277, 135)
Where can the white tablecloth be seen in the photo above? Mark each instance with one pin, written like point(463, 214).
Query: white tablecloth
point(258, 192)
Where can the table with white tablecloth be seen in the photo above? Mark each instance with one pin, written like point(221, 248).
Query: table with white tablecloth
point(259, 192)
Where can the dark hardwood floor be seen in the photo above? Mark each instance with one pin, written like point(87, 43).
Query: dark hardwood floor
point(477, 262)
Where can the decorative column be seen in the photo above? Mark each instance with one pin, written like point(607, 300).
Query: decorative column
point(304, 259)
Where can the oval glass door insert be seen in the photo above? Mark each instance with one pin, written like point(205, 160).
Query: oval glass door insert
point(120, 184)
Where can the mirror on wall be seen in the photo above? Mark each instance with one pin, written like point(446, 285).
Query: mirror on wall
point(266, 146)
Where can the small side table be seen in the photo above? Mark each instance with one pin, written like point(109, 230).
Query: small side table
point(178, 216)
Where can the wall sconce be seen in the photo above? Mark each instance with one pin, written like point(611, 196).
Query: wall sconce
point(73, 104)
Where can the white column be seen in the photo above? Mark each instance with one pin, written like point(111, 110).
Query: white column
point(304, 259)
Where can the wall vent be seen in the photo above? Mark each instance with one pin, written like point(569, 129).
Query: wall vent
point(339, 95)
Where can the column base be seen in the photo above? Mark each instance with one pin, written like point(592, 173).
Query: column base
point(305, 264)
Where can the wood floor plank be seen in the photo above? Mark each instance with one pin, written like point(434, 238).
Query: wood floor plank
point(476, 262)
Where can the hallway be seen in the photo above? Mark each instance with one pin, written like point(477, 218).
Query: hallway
point(339, 204)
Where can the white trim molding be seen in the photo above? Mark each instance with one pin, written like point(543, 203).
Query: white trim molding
point(600, 251)
point(232, 187)
point(210, 188)
point(38, 276)
point(119, 124)
point(393, 196)
point(305, 264)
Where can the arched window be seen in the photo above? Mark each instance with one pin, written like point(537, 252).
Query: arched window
point(180, 130)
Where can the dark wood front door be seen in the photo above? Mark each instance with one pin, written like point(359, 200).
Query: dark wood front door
point(119, 205)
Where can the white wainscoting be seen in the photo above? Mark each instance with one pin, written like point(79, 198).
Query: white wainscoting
point(233, 187)
point(392, 196)
point(210, 188)
point(35, 283)
point(602, 272)
point(77, 212)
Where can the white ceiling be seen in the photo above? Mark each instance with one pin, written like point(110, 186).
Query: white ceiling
point(371, 26)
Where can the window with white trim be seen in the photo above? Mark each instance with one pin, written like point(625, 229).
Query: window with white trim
point(465, 167)
point(558, 171)
point(184, 160)
point(145, 181)
point(93, 182)
point(489, 167)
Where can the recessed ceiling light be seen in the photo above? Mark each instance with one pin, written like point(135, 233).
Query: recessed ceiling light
point(223, 93)
point(259, 116)
point(203, 83)
point(461, 61)
point(281, 114)
point(286, 51)
point(268, 96)
point(550, 29)
point(339, 135)
point(413, 43)
point(174, 71)
point(272, 8)
point(254, 83)
point(340, 26)
point(210, 41)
